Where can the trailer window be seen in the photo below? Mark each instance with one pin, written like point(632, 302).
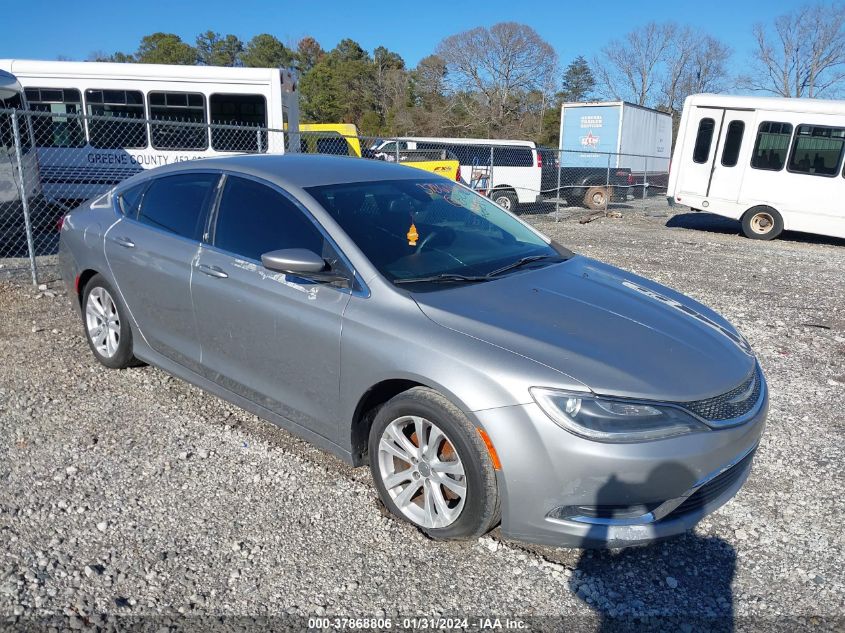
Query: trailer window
point(703, 140)
point(241, 112)
point(817, 150)
point(60, 125)
point(112, 126)
point(180, 108)
point(771, 145)
point(733, 143)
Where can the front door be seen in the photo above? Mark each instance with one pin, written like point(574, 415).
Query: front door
point(150, 252)
point(269, 337)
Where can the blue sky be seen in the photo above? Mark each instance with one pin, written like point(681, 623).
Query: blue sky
point(46, 30)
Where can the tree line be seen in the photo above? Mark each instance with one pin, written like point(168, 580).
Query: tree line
point(505, 81)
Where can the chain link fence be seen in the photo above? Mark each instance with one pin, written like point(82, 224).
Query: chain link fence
point(51, 161)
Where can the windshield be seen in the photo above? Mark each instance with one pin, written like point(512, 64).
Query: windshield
point(423, 228)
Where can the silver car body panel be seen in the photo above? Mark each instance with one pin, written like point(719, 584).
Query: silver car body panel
point(304, 354)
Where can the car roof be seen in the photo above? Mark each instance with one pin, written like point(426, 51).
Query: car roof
point(299, 170)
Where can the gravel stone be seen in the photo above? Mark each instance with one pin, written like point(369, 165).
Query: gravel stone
point(272, 525)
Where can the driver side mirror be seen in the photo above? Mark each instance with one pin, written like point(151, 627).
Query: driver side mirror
point(301, 262)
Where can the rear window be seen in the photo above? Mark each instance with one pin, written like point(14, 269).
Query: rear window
point(703, 140)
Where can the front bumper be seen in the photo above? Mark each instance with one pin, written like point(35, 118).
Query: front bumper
point(563, 490)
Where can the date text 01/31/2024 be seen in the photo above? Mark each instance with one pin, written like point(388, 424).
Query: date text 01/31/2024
point(417, 623)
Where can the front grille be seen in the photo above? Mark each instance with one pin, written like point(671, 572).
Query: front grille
point(714, 488)
point(730, 405)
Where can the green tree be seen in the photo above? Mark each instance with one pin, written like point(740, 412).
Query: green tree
point(216, 50)
point(308, 53)
point(165, 48)
point(578, 81)
point(266, 51)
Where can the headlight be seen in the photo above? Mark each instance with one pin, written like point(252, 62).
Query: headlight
point(614, 420)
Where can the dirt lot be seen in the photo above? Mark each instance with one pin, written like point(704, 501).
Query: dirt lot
point(130, 492)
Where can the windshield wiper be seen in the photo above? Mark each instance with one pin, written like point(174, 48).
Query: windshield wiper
point(522, 262)
point(445, 277)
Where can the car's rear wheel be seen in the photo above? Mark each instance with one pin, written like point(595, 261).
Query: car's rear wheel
point(505, 199)
point(762, 223)
point(431, 466)
point(106, 324)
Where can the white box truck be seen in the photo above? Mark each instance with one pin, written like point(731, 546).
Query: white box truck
point(632, 144)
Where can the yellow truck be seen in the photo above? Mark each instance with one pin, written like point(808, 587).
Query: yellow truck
point(342, 139)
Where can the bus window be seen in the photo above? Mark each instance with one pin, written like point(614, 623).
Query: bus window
point(703, 140)
point(185, 107)
point(816, 150)
point(55, 128)
point(771, 145)
point(111, 128)
point(240, 110)
point(733, 143)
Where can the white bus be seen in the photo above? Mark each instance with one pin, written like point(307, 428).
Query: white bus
point(511, 171)
point(11, 163)
point(775, 164)
point(102, 122)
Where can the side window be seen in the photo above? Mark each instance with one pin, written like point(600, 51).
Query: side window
point(178, 204)
point(242, 111)
point(771, 145)
point(130, 200)
point(183, 107)
point(733, 143)
point(60, 125)
point(333, 144)
point(112, 127)
point(253, 219)
point(507, 156)
point(703, 140)
point(817, 150)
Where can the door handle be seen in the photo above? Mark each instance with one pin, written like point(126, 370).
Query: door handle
point(125, 242)
point(213, 271)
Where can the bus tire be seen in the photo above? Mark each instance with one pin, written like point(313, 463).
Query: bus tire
point(762, 223)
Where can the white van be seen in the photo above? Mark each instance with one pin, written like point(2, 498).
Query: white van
point(132, 114)
point(510, 171)
point(775, 164)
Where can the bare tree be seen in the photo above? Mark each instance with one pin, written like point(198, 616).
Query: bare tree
point(629, 69)
point(695, 63)
point(803, 55)
point(491, 70)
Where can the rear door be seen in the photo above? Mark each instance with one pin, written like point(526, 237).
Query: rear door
point(702, 133)
point(732, 154)
point(150, 253)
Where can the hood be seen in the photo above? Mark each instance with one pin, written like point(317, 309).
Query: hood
point(616, 332)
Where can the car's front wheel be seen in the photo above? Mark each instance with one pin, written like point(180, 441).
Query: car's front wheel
point(432, 468)
point(106, 324)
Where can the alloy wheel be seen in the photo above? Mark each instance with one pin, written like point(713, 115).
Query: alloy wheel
point(422, 472)
point(102, 322)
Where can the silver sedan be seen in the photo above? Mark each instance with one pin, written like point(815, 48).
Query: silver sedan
point(487, 374)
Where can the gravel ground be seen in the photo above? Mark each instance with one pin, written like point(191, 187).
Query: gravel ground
point(132, 493)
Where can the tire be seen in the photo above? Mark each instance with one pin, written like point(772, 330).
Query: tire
point(762, 223)
point(597, 198)
point(414, 497)
point(505, 199)
point(101, 308)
